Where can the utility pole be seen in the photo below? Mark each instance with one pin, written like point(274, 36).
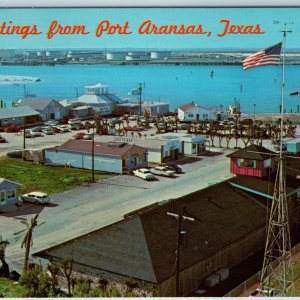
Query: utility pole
point(24, 137)
point(181, 217)
point(93, 156)
point(140, 97)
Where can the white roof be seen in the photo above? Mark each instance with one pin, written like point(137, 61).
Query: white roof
point(92, 99)
point(98, 85)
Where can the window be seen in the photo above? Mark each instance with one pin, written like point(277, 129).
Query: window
point(191, 115)
point(205, 116)
point(246, 163)
point(11, 194)
point(267, 163)
point(2, 196)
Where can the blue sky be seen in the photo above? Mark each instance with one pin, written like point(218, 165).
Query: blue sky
point(208, 17)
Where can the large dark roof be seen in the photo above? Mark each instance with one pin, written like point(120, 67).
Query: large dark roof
point(143, 246)
point(254, 152)
point(83, 146)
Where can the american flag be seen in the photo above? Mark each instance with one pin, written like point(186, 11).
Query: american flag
point(264, 57)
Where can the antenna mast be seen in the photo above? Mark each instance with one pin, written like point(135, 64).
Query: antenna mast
point(277, 274)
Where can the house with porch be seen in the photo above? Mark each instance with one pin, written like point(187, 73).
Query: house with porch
point(112, 157)
point(18, 116)
point(194, 112)
point(253, 160)
point(9, 194)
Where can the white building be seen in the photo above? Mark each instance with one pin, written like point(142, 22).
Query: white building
point(194, 112)
point(98, 97)
point(155, 108)
point(193, 144)
point(160, 149)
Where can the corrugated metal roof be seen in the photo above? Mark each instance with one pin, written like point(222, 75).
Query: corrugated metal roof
point(17, 112)
point(37, 103)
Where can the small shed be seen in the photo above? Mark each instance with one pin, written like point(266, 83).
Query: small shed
point(9, 194)
point(293, 146)
point(253, 160)
point(193, 144)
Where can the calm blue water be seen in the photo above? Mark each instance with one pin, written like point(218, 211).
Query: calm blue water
point(177, 84)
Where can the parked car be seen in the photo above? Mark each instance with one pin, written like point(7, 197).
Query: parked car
point(73, 121)
point(143, 173)
point(87, 136)
point(15, 153)
point(47, 130)
point(64, 128)
point(114, 121)
point(11, 128)
point(37, 129)
point(132, 117)
point(172, 167)
point(79, 135)
point(162, 171)
point(51, 123)
point(28, 134)
point(2, 139)
point(36, 197)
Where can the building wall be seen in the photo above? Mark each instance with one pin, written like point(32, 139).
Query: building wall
point(196, 113)
point(52, 111)
point(135, 157)
point(154, 155)
point(8, 195)
point(12, 121)
point(112, 164)
point(191, 278)
point(258, 171)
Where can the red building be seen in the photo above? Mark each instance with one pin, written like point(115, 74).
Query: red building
point(253, 161)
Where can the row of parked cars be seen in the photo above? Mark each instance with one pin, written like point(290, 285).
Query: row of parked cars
point(167, 170)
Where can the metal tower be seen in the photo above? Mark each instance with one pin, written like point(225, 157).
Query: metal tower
point(277, 273)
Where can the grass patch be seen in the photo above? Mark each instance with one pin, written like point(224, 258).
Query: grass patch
point(48, 179)
point(10, 289)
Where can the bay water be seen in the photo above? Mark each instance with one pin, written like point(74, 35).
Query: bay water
point(257, 89)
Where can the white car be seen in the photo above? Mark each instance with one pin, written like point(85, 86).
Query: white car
point(143, 173)
point(36, 197)
point(162, 171)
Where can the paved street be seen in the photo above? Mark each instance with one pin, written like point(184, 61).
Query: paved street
point(79, 211)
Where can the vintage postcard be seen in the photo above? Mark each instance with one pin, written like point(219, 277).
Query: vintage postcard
point(149, 152)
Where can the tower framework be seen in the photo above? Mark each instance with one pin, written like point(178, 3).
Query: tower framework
point(277, 272)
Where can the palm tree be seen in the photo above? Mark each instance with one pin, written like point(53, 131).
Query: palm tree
point(27, 241)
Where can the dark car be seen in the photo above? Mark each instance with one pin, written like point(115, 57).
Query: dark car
point(173, 167)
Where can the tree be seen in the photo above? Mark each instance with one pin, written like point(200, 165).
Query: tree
point(27, 241)
point(4, 270)
point(98, 123)
point(67, 268)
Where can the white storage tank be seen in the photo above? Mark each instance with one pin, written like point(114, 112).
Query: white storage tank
point(160, 54)
point(116, 56)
